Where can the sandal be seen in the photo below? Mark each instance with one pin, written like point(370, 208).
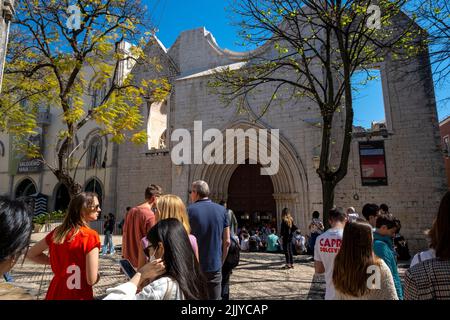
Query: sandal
point(285, 267)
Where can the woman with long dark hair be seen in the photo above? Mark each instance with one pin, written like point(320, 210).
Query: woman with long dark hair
point(15, 232)
point(173, 272)
point(73, 249)
point(356, 262)
point(430, 277)
point(287, 230)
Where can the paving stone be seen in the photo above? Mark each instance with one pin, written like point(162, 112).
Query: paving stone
point(258, 276)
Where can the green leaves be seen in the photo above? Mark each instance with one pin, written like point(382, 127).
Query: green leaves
point(82, 76)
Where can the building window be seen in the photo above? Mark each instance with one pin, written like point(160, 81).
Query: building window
point(94, 98)
point(447, 146)
point(94, 186)
point(25, 189)
point(368, 100)
point(373, 163)
point(99, 90)
point(2, 149)
point(157, 125)
point(95, 153)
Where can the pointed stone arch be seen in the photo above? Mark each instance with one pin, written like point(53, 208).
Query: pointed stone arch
point(25, 187)
point(290, 183)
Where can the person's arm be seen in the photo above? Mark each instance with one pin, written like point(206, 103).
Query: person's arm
point(319, 267)
point(225, 243)
point(92, 275)
point(196, 249)
point(127, 291)
point(36, 253)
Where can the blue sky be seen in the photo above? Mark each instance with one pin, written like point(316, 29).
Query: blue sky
point(171, 17)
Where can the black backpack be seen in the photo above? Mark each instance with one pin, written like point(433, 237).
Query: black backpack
point(234, 254)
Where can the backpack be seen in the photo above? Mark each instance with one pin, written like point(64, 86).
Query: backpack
point(234, 254)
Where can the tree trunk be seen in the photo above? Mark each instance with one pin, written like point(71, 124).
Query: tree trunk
point(328, 200)
point(73, 186)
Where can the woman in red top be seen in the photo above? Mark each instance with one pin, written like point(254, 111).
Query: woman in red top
point(73, 251)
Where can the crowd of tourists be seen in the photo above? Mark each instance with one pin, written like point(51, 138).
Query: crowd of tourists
point(189, 252)
point(358, 256)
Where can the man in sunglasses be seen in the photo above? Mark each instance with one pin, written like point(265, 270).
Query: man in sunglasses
point(138, 221)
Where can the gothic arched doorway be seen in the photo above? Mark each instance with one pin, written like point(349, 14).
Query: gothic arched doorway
point(250, 196)
point(62, 198)
point(25, 188)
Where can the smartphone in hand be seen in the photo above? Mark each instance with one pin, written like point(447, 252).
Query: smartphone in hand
point(127, 268)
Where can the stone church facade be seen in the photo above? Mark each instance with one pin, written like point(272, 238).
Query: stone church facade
point(407, 144)
point(398, 162)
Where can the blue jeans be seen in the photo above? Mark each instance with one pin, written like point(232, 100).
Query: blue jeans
point(287, 248)
point(108, 243)
point(312, 241)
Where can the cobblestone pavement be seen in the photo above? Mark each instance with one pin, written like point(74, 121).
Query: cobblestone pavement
point(258, 276)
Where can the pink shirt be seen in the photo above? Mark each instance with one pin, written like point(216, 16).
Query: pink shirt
point(138, 222)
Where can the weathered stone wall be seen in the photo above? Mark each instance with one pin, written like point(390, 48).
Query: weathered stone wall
point(415, 171)
point(414, 162)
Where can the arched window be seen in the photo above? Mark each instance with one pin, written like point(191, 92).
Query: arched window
point(62, 198)
point(25, 188)
point(2, 149)
point(94, 159)
point(95, 186)
point(156, 124)
point(99, 94)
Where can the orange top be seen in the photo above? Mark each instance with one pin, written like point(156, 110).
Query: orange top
point(68, 262)
point(138, 222)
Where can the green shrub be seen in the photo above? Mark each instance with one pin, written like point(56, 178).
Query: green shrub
point(49, 217)
point(40, 219)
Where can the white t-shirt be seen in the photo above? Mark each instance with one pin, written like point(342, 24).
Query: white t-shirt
point(325, 250)
point(424, 255)
point(244, 245)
